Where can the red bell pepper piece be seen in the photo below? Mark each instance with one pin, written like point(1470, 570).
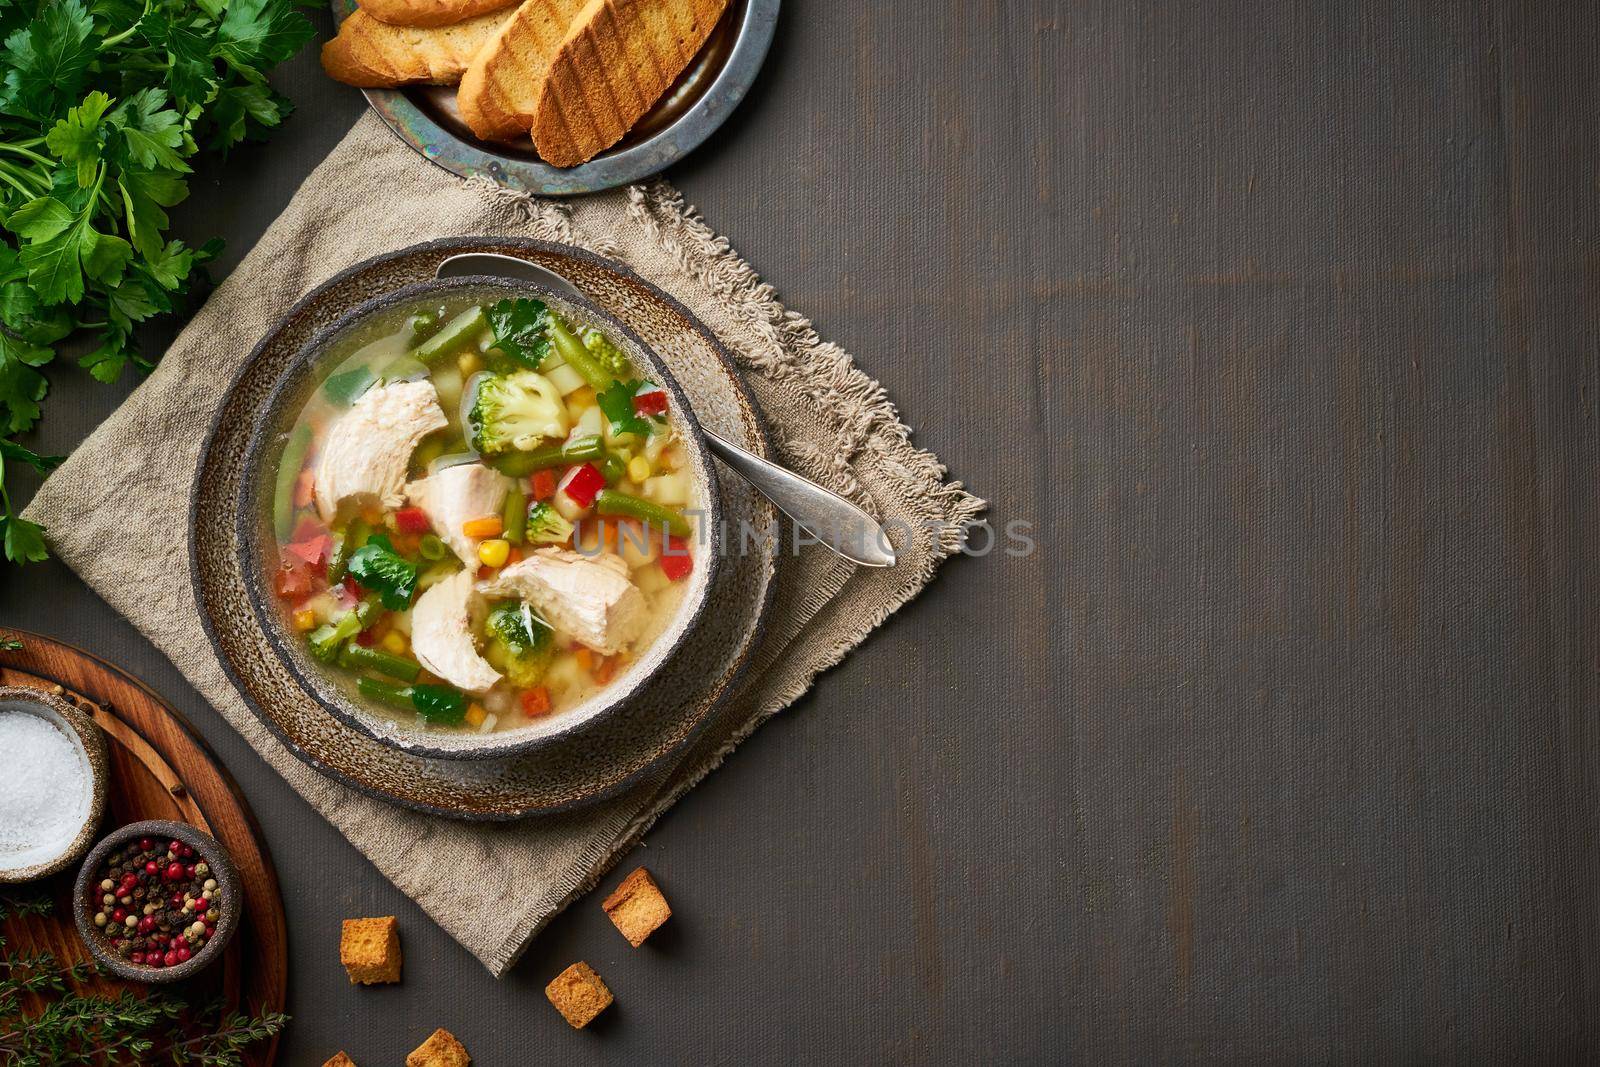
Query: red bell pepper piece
point(542, 484)
point(412, 521)
point(676, 563)
point(306, 529)
point(582, 483)
point(650, 400)
point(294, 580)
point(313, 553)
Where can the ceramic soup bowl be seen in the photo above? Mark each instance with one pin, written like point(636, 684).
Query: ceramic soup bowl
point(334, 690)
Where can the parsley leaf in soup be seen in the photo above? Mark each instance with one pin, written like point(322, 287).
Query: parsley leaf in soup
point(616, 403)
point(376, 566)
point(519, 330)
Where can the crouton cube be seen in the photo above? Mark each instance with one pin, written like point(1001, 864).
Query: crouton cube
point(440, 1050)
point(579, 994)
point(636, 907)
point(370, 950)
point(340, 1060)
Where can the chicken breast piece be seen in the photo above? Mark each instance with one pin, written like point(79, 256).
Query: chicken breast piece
point(366, 450)
point(456, 495)
point(441, 635)
point(588, 598)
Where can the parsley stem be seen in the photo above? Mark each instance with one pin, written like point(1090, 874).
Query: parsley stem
point(7, 177)
point(117, 38)
point(22, 150)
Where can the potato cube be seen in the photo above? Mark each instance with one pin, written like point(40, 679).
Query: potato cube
point(370, 950)
point(579, 994)
point(636, 907)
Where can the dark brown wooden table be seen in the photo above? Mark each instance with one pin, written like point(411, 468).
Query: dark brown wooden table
point(1279, 320)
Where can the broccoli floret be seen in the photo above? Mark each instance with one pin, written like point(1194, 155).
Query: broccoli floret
point(546, 526)
point(326, 639)
point(512, 412)
point(610, 356)
point(523, 643)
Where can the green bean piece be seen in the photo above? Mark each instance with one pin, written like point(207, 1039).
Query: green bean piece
point(431, 548)
point(355, 535)
point(453, 335)
point(613, 468)
point(294, 457)
point(359, 658)
point(578, 357)
point(514, 515)
point(610, 502)
point(396, 696)
point(522, 464)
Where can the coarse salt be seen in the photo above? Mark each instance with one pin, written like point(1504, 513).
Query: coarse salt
point(45, 791)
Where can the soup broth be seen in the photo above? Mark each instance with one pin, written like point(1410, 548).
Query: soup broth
point(481, 514)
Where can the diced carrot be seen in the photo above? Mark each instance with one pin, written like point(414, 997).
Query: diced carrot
point(303, 490)
point(488, 526)
point(606, 669)
point(543, 484)
point(485, 573)
point(585, 658)
point(515, 555)
point(536, 702)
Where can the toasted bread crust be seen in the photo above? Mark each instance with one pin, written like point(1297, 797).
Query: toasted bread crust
point(376, 55)
point(616, 61)
point(430, 12)
point(500, 85)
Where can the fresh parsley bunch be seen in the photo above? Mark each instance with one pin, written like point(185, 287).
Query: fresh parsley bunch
point(102, 106)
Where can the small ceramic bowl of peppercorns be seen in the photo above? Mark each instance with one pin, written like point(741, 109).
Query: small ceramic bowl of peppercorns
point(156, 901)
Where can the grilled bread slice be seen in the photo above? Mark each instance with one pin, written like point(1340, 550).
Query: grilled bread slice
point(616, 61)
point(376, 55)
point(500, 85)
point(430, 12)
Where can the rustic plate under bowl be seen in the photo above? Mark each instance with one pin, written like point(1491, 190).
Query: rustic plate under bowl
point(591, 763)
point(705, 94)
point(300, 380)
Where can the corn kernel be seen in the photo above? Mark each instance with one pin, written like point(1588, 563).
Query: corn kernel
point(305, 620)
point(475, 714)
point(638, 469)
point(470, 363)
point(494, 552)
point(394, 641)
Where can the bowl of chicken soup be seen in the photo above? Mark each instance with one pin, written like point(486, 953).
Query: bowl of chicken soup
point(479, 514)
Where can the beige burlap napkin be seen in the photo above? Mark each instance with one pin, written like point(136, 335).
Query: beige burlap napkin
point(826, 419)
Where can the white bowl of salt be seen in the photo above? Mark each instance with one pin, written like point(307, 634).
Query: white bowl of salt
point(52, 793)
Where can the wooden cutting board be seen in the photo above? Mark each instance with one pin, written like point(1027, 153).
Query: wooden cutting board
point(160, 769)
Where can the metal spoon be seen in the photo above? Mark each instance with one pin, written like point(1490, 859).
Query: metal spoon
point(834, 521)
